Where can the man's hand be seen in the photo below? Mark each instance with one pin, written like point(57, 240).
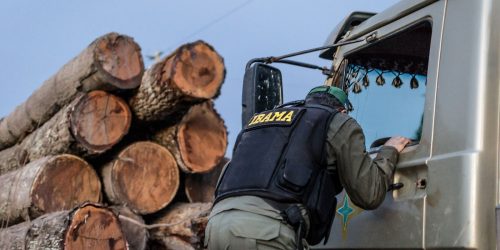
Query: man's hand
point(398, 142)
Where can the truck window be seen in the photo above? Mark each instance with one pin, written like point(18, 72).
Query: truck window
point(387, 82)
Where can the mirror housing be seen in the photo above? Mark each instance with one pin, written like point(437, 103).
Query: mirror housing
point(262, 90)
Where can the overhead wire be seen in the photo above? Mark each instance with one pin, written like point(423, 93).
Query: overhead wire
point(207, 25)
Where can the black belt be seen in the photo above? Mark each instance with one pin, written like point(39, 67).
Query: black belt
point(277, 205)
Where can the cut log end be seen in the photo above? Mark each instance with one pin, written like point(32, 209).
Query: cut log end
point(145, 177)
point(63, 183)
point(100, 120)
point(198, 70)
point(94, 228)
point(120, 57)
point(202, 138)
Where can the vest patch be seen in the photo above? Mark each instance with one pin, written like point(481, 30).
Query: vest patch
point(282, 117)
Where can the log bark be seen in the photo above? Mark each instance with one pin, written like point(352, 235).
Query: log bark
point(87, 227)
point(112, 61)
point(193, 73)
point(50, 184)
point(201, 187)
point(135, 234)
point(172, 243)
point(190, 220)
point(88, 126)
point(199, 141)
point(143, 176)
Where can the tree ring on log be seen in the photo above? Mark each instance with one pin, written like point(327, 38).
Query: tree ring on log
point(120, 58)
point(100, 120)
point(65, 181)
point(202, 138)
point(145, 177)
point(93, 227)
point(198, 70)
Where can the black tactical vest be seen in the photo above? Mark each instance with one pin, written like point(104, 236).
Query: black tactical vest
point(280, 155)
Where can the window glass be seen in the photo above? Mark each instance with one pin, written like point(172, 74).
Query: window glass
point(268, 89)
point(387, 83)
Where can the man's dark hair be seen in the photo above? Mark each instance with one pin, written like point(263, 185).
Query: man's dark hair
point(324, 99)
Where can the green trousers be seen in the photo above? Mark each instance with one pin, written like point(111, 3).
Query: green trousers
point(236, 229)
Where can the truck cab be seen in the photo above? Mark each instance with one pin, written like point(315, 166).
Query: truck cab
point(427, 70)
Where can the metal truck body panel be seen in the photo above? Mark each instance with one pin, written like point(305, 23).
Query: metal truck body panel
point(451, 177)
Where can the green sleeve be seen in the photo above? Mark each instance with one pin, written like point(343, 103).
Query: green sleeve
point(365, 179)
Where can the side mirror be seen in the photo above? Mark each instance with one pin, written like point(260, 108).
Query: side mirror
point(262, 90)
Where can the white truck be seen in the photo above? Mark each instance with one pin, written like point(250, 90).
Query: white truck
point(428, 70)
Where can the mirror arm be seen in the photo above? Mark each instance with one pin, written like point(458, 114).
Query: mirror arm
point(279, 59)
point(324, 70)
point(273, 59)
point(301, 64)
point(255, 60)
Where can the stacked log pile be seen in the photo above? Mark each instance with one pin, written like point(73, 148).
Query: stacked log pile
point(107, 155)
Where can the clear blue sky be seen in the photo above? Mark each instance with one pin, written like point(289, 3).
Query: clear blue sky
point(38, 37)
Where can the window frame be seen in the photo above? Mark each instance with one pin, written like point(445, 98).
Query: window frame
point(421, 152)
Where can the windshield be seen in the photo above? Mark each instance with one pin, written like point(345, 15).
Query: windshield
point(386, 84)
point(388, 104)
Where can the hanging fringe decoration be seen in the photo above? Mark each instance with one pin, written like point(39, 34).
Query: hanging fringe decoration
point(380, 79)
point(413, 82)
point(358, 76)
point(356, 88)
point(366, 81)
point(396, 82)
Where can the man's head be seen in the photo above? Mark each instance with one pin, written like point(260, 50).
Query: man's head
point(327, 95)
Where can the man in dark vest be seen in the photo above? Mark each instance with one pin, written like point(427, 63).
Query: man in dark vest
point(278, 191)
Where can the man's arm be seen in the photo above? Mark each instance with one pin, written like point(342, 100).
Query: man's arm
point(365, 179)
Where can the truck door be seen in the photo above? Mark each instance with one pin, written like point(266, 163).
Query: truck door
point(392, 81)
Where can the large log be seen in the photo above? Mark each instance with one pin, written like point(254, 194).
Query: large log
point(198, 141)
point(90, 125)
point(112, 61)
point(87, 227)
point(193, 73)
point(50, 184)
point(201, 187)
point(143, 176)
point(185, 228)
point(133, 228)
